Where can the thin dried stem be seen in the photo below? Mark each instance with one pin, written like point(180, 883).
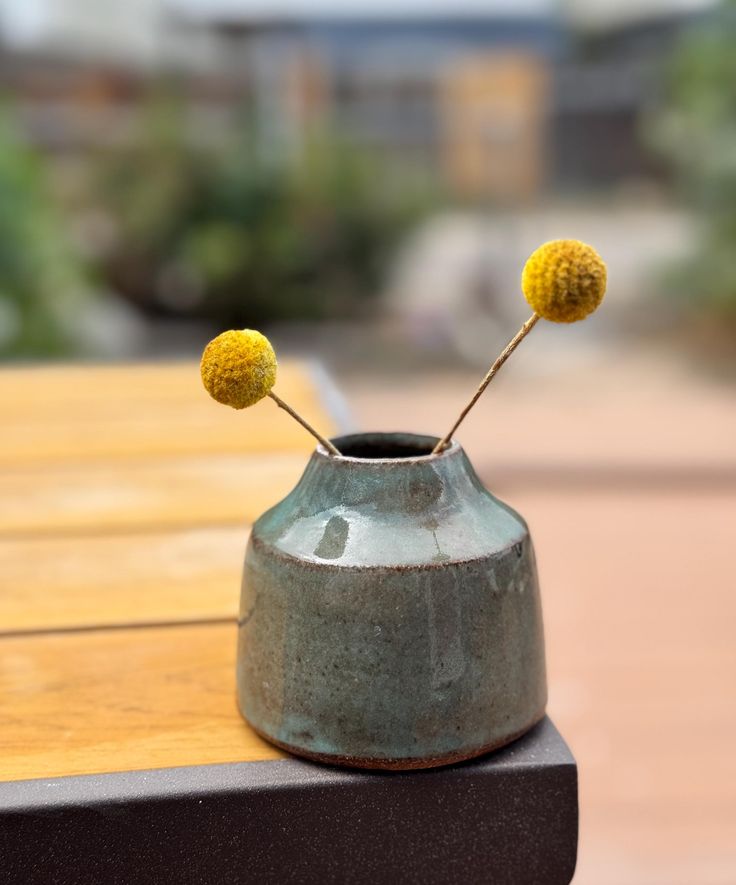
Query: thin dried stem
point(503, 356)
point(318, 436)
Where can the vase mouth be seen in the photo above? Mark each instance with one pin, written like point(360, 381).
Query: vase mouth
point(387, 448)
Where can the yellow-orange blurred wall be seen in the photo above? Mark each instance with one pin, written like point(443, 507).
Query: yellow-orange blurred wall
point(492, 130)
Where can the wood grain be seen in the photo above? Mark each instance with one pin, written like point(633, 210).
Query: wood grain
point(152, 577)
point(119, 700)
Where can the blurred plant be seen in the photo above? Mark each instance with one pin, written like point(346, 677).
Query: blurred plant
point(229, 234)
point(697, 131)
point(42, 285)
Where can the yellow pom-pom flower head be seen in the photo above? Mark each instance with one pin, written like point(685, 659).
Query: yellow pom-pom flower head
point(239, 368)
point(564, 280)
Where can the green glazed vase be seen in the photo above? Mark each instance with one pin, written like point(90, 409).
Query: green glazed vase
point(390, 612)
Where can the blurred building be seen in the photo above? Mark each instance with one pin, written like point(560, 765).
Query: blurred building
point(499, 104)
point(467, 96)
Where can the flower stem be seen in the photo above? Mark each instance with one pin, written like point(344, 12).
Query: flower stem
point(503, 356)
point(318, 436)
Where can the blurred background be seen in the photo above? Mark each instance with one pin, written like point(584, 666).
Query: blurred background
point(169, 168)
point(363, 181)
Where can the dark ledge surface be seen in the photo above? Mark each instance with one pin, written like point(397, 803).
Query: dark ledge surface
point(509, 817)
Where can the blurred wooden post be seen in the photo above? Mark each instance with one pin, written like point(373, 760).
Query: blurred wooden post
point(305, 99)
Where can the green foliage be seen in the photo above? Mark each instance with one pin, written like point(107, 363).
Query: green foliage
point(242, 238)
point(697, 131)
point(41, 281)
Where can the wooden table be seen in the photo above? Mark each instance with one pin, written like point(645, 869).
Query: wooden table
point(127, 495)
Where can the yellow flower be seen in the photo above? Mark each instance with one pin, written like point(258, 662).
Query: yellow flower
point(564, 280)
point(238, 368)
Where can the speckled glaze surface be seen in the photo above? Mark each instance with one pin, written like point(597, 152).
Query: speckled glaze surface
point(390, 613)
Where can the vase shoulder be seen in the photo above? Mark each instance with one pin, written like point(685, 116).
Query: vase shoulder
point(382, 512)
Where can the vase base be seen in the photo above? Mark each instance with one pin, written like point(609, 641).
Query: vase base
point(401, 764)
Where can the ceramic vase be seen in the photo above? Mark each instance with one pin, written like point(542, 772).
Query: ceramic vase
point(390, 612)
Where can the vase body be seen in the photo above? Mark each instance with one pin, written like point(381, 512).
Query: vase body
point(390, 613)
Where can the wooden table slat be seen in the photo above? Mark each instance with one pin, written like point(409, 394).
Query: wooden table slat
point(78, 414)
point(57, 583)
point(121, 700)
point(145, 495)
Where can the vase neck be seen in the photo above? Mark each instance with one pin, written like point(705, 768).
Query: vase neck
point(393, 471)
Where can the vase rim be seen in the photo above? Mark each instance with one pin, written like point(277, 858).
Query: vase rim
point(387, 441)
